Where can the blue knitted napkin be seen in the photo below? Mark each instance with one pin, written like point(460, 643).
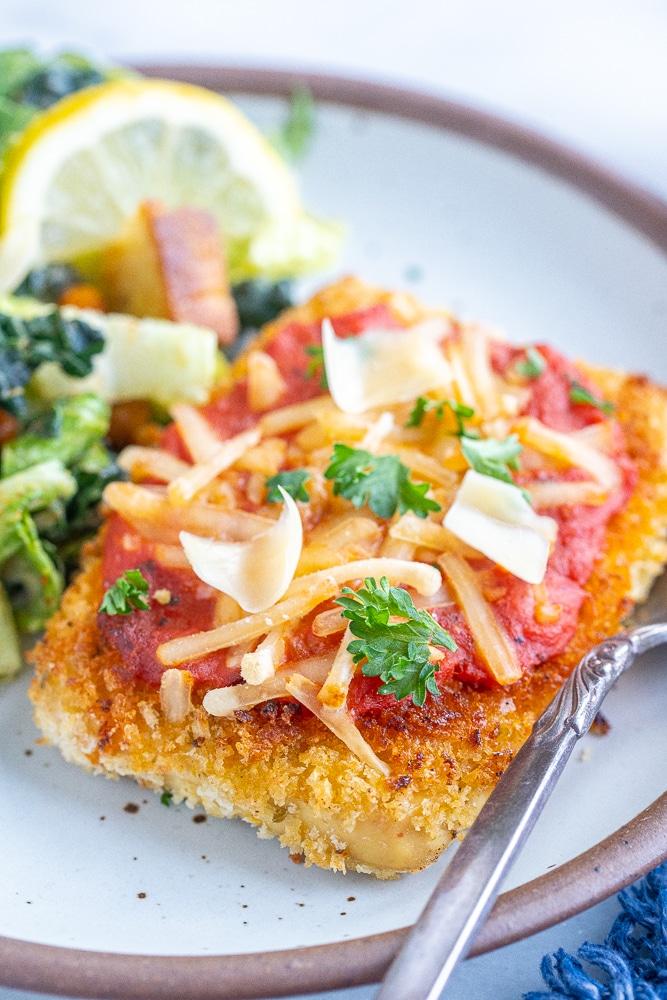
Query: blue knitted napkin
point(633, 959)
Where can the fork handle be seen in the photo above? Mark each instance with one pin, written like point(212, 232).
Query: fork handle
point(470, 883)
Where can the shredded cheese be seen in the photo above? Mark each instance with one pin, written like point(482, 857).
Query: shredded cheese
point(333, 692)
point(290, 418)
point(337, 720)
point(223, 456)
point(377, 432)
point(462, 384)
point(191, 647)
point(329, 622)
point(223, 702)
point(151, 463)
point(570, 450)
point(197, 434)
point(491, 640)
point(475, 354)
point(265, 383)
point(428, 534)
point(150, 512)
point(424, 578)
point(260, 665)
point(562, 494)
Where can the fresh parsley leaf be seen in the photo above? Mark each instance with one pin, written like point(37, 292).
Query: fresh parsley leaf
point(534, 364)
point(579, 394)
point(381, 481)
point(316, 364)
point(166, 798)
point(126, 594)
point(292, 482)
point(293, 139)
point(397, 651)
point(27, 343)
point(423, 406)
point(492, 457)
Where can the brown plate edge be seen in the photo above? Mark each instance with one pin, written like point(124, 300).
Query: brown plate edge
point(593, 876)
point(641, 209)
point(569, 889)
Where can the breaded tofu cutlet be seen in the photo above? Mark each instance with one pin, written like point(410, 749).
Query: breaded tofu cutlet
point(264, 714)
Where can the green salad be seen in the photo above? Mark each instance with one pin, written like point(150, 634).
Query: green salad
point(64, 368)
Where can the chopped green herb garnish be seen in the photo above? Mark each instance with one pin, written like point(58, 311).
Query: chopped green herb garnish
point(492, 457)
point(126, 594)
point(293, 482)
point(399, 652)
point(579, 394)
point(293, 139)
point(316, 364)
point(166, 798)
point(437, 406)
point(534, 364)
point(381, 481)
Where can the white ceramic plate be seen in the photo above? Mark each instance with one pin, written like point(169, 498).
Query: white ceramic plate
point(204, 908)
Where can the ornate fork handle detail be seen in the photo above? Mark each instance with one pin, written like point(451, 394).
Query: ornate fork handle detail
point(470, 883)
point(578, 701)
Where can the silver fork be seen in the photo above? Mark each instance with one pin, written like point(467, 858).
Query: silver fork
point(469, 885)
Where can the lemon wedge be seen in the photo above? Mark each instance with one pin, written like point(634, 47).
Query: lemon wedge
point(81, 169)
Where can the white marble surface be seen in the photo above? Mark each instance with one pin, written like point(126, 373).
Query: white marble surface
point(592, 73)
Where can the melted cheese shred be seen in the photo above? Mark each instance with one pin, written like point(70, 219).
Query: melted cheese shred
point(425, 579)
point(493, 643)
point(197, 434)
point(339, 721)
point(259, 665)
point(191, 647)
point(333, 692)
point(571, 450)
point(223, 702)
point(151, 463)
point(150, 512)
point(223, 456)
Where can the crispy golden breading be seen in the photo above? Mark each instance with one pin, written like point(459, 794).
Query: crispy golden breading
point(277, 766)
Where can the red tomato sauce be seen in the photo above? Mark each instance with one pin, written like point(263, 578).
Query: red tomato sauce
point(191, 607)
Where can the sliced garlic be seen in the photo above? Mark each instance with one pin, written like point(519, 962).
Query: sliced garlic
point(381, 367)
point(257, 572)
point(497, 520)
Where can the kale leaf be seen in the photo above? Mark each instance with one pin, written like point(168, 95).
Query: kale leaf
point(25, 344)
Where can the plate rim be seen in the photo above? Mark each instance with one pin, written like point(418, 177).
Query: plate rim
point(594, 875)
